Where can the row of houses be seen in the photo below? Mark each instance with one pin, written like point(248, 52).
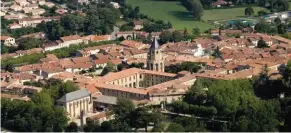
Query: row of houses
point(32, 22)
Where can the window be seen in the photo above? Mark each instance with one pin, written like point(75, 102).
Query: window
point(140, 76)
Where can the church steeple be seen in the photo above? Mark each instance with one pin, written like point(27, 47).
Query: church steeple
point(155, 45)
point(155, 60)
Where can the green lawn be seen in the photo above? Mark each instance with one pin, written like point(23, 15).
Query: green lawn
point(169, 11)
point(230, 13)
point(175, 13)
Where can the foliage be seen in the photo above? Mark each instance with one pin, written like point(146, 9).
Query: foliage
point(49, 11)
point(127, 27)
point(97, 21)
point(177, 36)
point(194, 6)
point(4, 49)
point(5, 22)
point(185, 66)
point(282, 28)
point(196, 31)
point(262, 13)
point(156, 26)
point(110, 67)
point(234, 100)
point(42, 99)
point(73, 127)
point(16, 33)
point(130, 13)
point(196, 94)
point(286, 77)
point(262, 44)
point(175, 127)
point(262, 26)
point(56, 89)
point(277, 21)
point(165, 37)
point(26, 117)
point(216, 53)
point(29, 43)
point(249, 11)
point(190, 124)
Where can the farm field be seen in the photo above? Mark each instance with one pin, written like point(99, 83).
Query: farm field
point(175, 13)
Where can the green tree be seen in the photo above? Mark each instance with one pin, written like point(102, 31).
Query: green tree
point(262, 26)
point(109, 68)
point(4, 49)
point(262, 44)
point(196, 8)
point(286, 76)
point(73, 23)
point(216, 53)
point(175, 127)
point(249, 11)
point(29, 43)
point(159, 128)
point(196, 94)
point(67, 87)
point(282, 5)
point(282, 28)
point(140, 118)
point(277, 21)
point(72, 127)
point(42, 98)
point(123, 108)
point(262, 13)
point(177, 36)
point(165, 37)
point(196, 32)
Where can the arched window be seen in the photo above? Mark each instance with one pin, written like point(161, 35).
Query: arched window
point(152, 65)
point(157, 67)
point(134, 84)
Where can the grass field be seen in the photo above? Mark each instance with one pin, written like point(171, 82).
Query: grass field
point(169, 11)
point(175, 13)
point(218, 14)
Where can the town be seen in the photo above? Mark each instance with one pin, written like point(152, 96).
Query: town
point(72, 66)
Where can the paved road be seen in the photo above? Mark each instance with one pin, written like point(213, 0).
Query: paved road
point(113, 34)
point(187, 115)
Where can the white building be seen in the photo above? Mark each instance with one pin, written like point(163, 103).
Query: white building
point(199, 51)
point(8, 41)
point(78, 104)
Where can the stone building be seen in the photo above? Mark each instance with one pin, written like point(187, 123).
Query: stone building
point(78, 104)
point(155, 60)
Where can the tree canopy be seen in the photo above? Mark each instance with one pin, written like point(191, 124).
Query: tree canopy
point(249, 11)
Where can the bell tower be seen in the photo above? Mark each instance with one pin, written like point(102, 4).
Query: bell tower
point(155, 60)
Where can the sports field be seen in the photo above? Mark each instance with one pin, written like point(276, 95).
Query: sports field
point(175, 13)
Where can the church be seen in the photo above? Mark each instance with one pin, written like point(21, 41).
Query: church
point(152, 84)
